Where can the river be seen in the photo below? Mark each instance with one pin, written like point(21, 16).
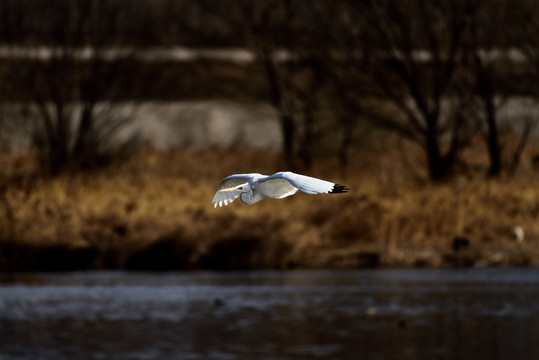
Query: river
point(363, 314)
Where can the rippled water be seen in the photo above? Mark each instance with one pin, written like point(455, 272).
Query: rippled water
point(371, 314)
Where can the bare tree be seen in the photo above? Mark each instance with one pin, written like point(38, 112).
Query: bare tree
point(71, 76)
point(347, 65)
point(289, 44)
point(523, 37)
point(257, 21)
point(493, 30)
point(415, 49)
point(484, 36)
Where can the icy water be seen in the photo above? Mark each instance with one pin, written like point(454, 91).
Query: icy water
point(367, 314)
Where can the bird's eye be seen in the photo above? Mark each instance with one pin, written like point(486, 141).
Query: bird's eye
point(240, 188)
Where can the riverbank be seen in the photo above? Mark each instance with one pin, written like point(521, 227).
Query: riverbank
point(153, 212)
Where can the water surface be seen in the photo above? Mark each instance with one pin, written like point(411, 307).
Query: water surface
point(366, 314)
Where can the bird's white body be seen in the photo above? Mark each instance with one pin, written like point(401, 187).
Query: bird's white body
point(251, 188)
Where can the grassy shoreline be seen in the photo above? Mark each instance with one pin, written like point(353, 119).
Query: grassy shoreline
point(153, 212)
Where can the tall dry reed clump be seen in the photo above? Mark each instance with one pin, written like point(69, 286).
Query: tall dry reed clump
point(153, 213)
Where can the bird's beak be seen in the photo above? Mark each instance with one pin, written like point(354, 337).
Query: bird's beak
point(231, 189)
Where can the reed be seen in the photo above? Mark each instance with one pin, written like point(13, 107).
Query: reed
point(153, 212)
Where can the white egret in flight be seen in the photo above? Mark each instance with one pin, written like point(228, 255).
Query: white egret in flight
point(252, 188)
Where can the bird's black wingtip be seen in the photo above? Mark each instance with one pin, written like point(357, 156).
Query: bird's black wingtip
point(338, 188)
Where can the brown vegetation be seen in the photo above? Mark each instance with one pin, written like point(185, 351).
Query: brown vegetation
point(153, 213)
point(337, 74)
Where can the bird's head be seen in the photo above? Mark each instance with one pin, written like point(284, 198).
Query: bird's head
point(241, 188)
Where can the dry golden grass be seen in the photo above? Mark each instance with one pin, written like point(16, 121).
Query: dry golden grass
point(154, 212)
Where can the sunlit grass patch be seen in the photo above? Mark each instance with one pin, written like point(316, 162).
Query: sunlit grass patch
point(154, 211)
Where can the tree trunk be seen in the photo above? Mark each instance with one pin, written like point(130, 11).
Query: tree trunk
point(435, 161)
point(308, 137)
point(59, 149)
point(288, 126)
point(486, 94)
point(83, 133)
point(493, 139)
point(437, 171)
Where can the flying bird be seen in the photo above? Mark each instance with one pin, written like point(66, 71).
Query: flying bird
point(251, 188)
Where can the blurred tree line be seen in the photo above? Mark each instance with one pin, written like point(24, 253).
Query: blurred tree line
point(432, 73)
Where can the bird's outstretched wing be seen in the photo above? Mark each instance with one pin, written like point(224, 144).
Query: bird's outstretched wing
point(226, 197)
point(306, 184)
point(275, 187)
